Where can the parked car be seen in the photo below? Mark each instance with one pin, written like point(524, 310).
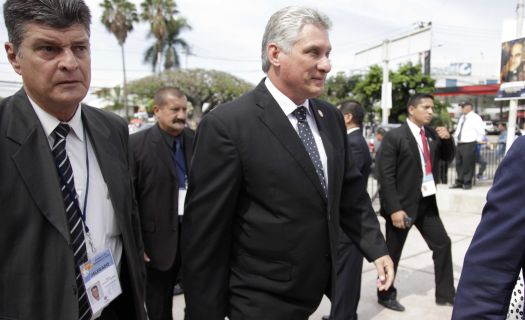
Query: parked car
point(371, 138)
point(491, 128)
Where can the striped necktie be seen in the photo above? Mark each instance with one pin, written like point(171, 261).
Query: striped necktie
point(73, 214)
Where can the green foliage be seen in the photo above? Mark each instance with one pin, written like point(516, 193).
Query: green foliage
point(406, 81)
point(118, 18)
point(166, 29)
point(339, 88)
point(441, 116)
point(112, 98)
point(200, 86)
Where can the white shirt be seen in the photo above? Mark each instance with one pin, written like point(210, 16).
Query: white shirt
point(100, 216)
point(348, 131)
point(416, 132)
point(288, 106)
point(473, 128)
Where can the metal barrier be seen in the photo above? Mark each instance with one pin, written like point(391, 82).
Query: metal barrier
point(487, 163)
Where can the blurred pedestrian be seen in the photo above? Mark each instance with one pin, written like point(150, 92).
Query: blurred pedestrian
point(160, 157)
point(502, 139)
point(470, 130)
point(271, 181)
point(349, 259)
point(66, 196)
point(495, 257)
point(407, 164)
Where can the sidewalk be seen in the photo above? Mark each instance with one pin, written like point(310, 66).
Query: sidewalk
point(460, 211)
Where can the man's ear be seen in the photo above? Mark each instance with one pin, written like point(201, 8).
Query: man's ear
point(274, 53)
point(410, 110)
point(12, 57)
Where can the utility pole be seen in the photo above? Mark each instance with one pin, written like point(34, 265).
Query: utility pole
point(513, 105)
point(386, 87)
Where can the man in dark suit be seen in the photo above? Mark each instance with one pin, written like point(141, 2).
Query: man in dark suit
point(407, 163)
point(495, 256)
point(57, 214)
point(269, 185)
point(349, 259)
point(160, 156)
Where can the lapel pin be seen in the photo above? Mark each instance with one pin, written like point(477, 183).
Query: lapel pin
point(320, 113)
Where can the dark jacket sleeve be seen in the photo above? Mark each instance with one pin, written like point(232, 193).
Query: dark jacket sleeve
point(209, 213)
point(496, 253)
point(386, 162)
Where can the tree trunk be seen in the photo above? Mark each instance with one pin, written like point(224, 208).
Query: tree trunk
point(124, 90)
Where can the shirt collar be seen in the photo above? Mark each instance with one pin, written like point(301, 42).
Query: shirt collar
point(287, 105)
point(352, 130)
point(49, 122)
point(416, 131)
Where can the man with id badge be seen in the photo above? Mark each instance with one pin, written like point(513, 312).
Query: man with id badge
point(160, 159)
point(69, 240)
point(407, 164)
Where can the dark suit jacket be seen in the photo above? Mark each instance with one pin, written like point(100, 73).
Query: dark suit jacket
point(496, 253)
point(259, 237)
point(399, 168)
point(157, 192)
point(363, 161)
point(37, 277)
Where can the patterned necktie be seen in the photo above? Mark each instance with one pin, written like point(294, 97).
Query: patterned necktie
point(305, 133)
point(461, 128)
point(73, 214)
point(426, 152)
point(180, 162)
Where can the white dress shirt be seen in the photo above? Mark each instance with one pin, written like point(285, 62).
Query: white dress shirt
point(100, 216)
point(416, 132)
point(473, 128)
point(288, 106)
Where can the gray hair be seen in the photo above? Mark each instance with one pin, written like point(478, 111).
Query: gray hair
point(284, 27)
point(53, 13)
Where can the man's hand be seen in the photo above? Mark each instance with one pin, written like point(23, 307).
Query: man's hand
point(385, 272)
point(398, 219)
point(146, 258)
point(443, 133)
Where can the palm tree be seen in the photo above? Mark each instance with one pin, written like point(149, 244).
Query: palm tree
point(169, 46)
point(166, 29)
point(118, 18)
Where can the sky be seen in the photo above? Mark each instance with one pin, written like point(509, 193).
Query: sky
point(226, 35)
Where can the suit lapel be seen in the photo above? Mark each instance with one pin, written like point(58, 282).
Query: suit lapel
point(41, 180)
point(277, 122)
point(162, 150)
point(414, 149)
point(111, 167)
point(322, 126)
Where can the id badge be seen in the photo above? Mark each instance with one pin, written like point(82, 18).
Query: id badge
point(182, 198)
point(428, 187)
point(101, 280)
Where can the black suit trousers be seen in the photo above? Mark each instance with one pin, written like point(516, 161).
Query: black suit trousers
point(159, 288)
point(431, 228)
point(465, 162)
point(348, 282)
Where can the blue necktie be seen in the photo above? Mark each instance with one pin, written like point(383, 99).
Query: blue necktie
point(180, 162)
point(73, 214)
point(309, 143)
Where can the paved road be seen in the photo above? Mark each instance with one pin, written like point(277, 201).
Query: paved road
point(460, 211)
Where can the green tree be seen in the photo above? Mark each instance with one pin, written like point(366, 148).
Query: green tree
point(111, 96)
point(169, 47)
point(339, 87)
point(200, 86)
point(166, 29)
point(407, 80)
point(118, 18)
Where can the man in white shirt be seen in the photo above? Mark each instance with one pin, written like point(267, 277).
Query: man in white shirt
point(469, 131)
